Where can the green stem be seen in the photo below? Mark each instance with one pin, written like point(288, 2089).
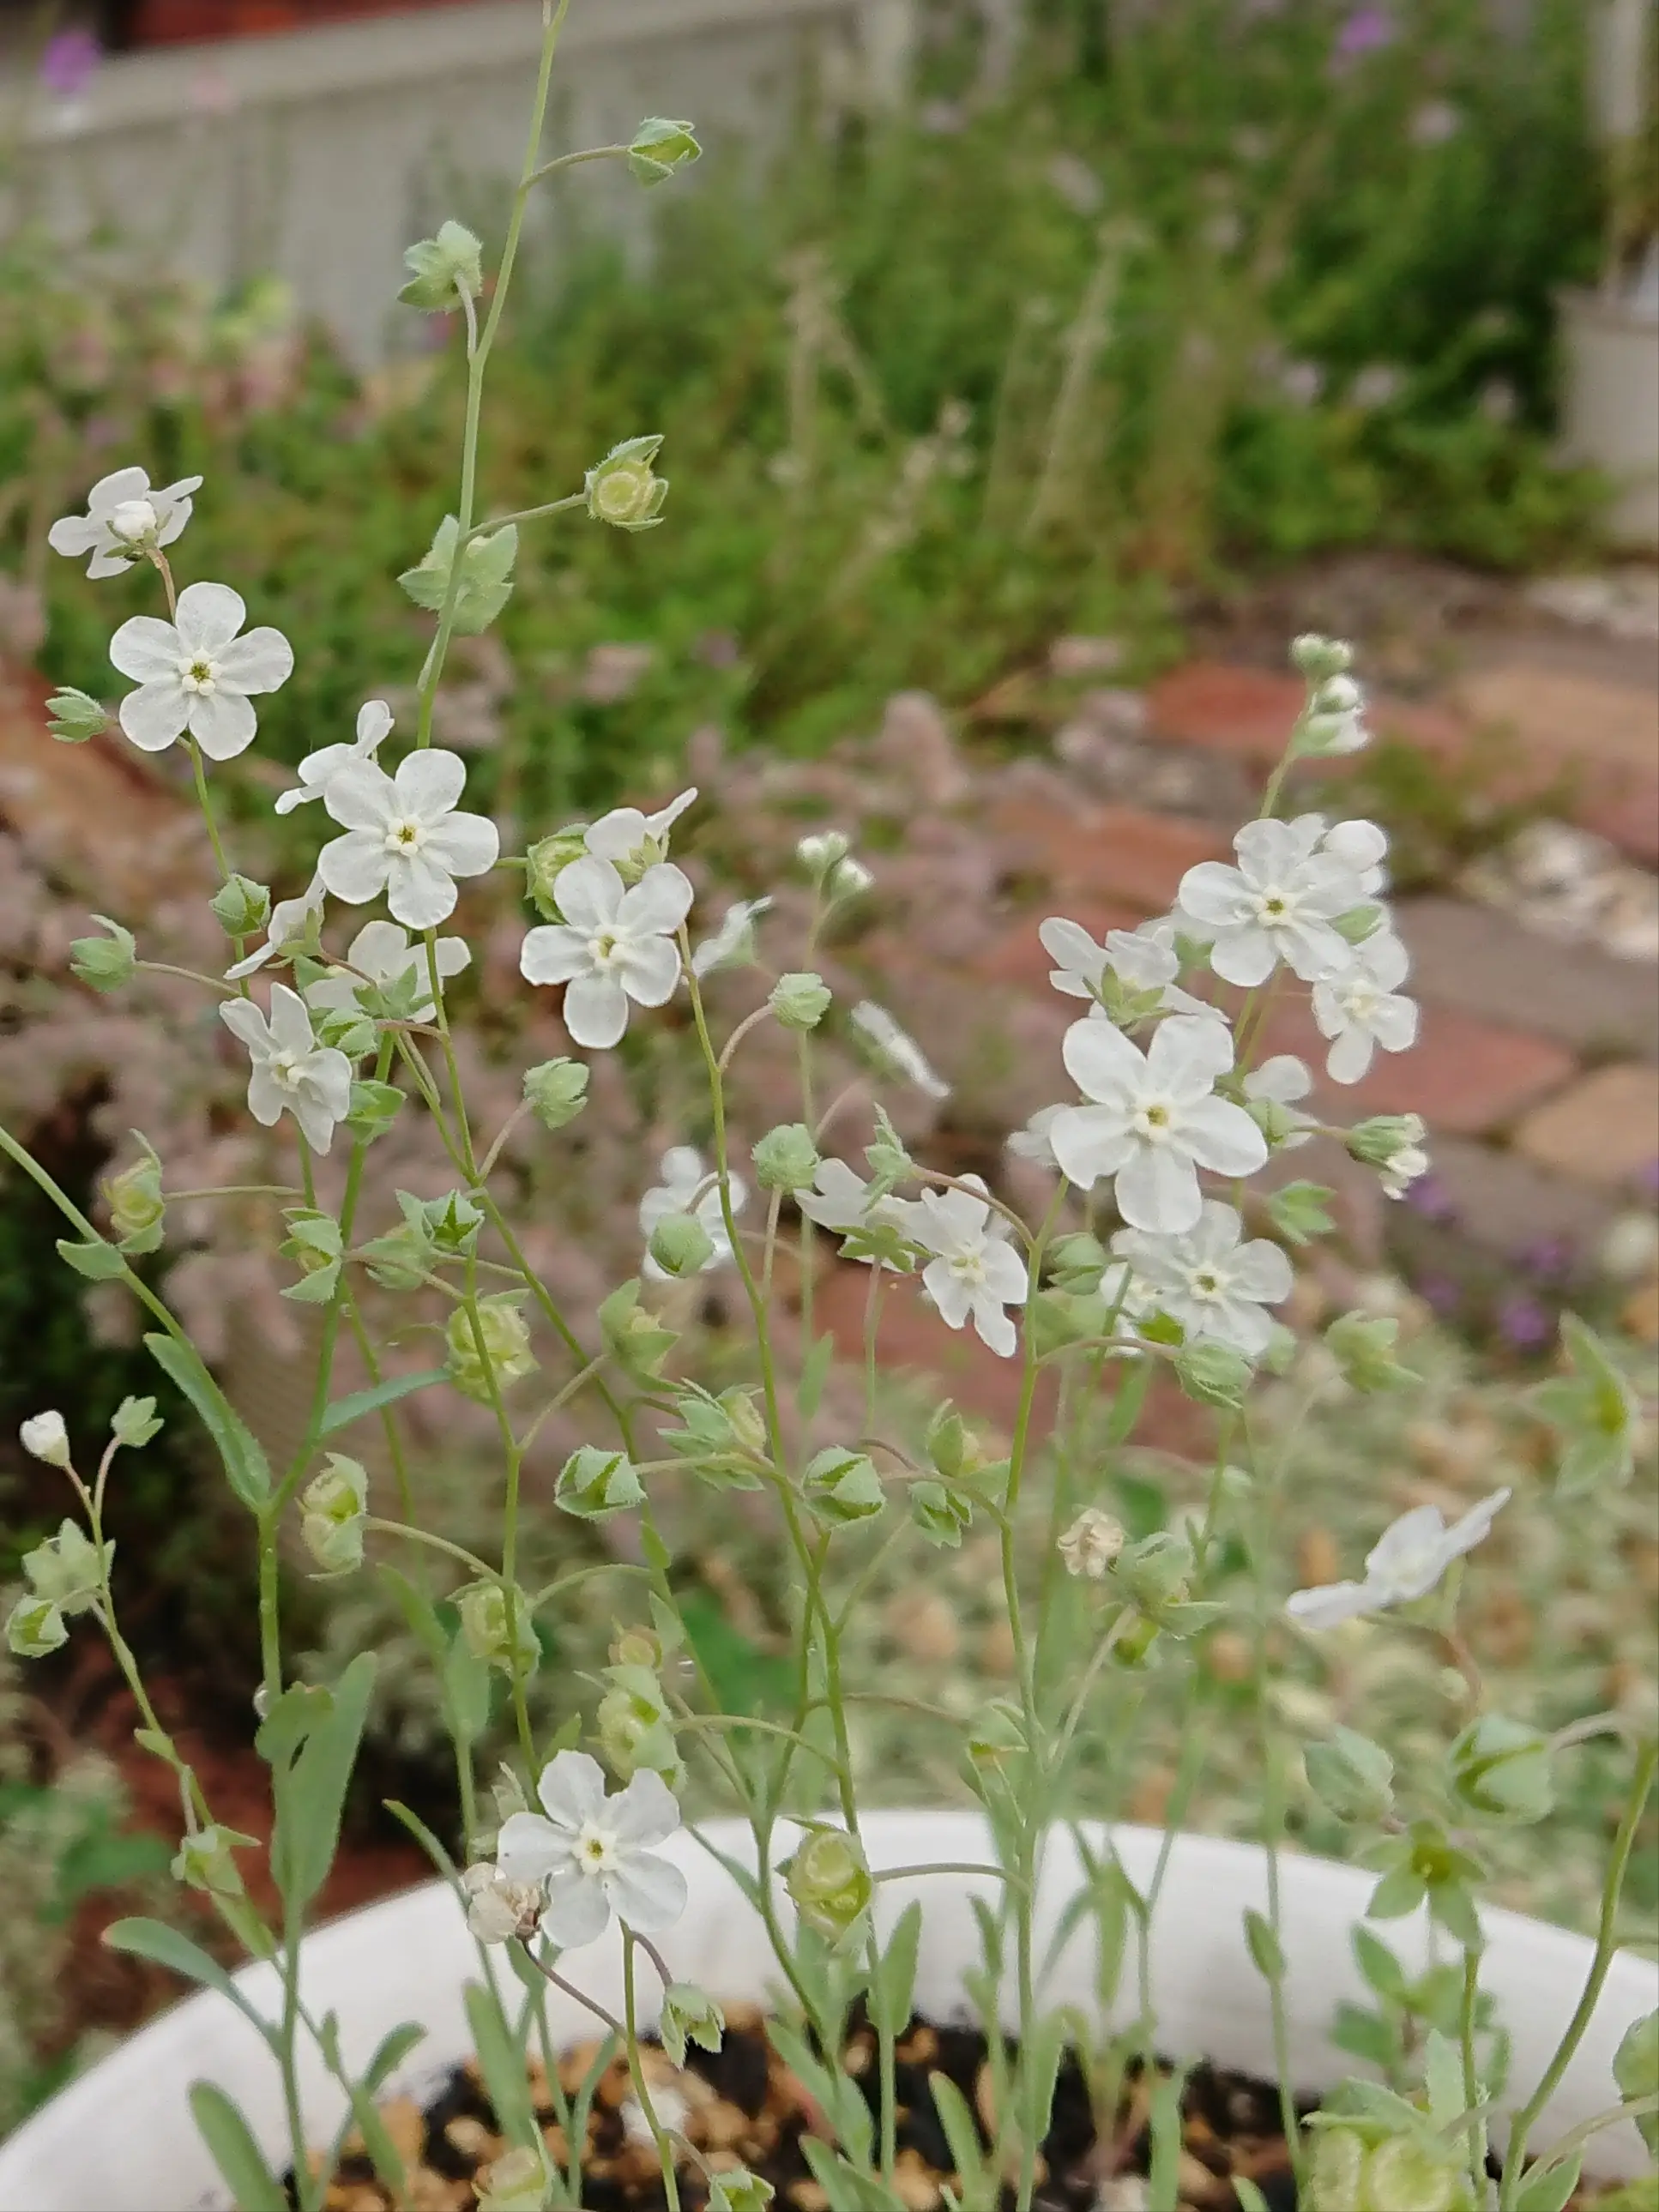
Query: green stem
point(1467, 2011)
point(636, 2068)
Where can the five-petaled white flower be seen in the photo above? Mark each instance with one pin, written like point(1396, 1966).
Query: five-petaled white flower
point(197, 673)
point(895, 1045)
point(1277, 904)
point(404, 836)
point(615, 943)
point(1143, 959)
point(1209, 1280)
point(380, 954)
point(688, 1187)
point(1153, 1119)
point(1406, 1562)
point(1359, 1006)
point(592, 1853)
point(126, 516)
point(841, 1202)
point(290, 925)
point(373, 727)
point(292, 1072)
point(733, 940)
point(633, 842)
point(975, 1272)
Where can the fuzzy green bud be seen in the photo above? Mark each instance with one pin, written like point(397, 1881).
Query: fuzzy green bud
point(1362, 1344)
point(374, 1106)
point(785, 1159)
point(822, 852)
point(1378, 1141)
point(681, 1246)
point(1214, 1374)
point(206, 1861)
point(1406, 2173)
point(556, 1091)
point(633, 1335)
point(593, 1483)
point(659, 147)
point(73, 716)
point(1636, 2071)
point(1157, 1572)
point(801, 1001)
point(67, 1569)
point(841, 1487)
point(1077, 1262)
point(333, 1506)
point(941, 1514)
point(1500, 1771)
point(243, 906)
point(623, 490)
point(950, 1444)
point(313, 1243)
point(635, 1727)
point(547, 860)
point(829, 1881)
point(1351, 1776)
point(1319, 658)
point(515, 2182)
point(485, 1630)
point(134, 1423)
point(137, 1209)
point(690, 2015)
point(104, 963)
point(34, 1626)
point(739, 2190)
point(444, 270)
point(498, 1346)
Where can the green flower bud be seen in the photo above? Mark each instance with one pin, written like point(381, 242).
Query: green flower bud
point(1377, 1142)
point(444, 270)
point(785, 1159)
point(34, 1626)
point(950, 1444)
point(829, 1881)
point(622, 488)
point(841, 1487)
point(1299, 1211)
point(638, 1647)
point(136, 1206)
point(1351, 1776)
point(739, 2191)
point(633, 1336)
point(1077, 1262)
point(243, 906)
point(72, 716)
point(1057, 1318)
point(801, 1001)
point(545, 862)
point(941, 1515)
point(484, 1631)
point(690, 2015)
point(453, 1222)
point(1337, 2173)
point(1636, 2072)
point(658, 147)
point(134, 1422)
point(206, 1861)
point(1500, 1769)
point(593, 1483)
point(333, 1506)
point(314, 1245)
point(635, 1727)
point(822, 852)
point(1364, 1346)
point(474, 580)
point(104, 963)
point(1214, 1374)
point(1319, 658)
point(67, 1569)
point(374, 1106)
point(346, 1030)
point(515, 2182)
point(556, 1091)
point(680, 1245)
point(1156, 1572)
point(504, 1353)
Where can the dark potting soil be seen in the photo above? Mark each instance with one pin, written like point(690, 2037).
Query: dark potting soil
point(741, 2106)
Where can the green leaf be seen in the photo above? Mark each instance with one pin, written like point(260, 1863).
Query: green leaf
point(1365, 2035)
point(167, 1947)
point(980, 2190)
point(814, 1374)
point(1443, 2078)
point(501, 2060)
point(1299, 1211)
point(1264, 1947)
point(896, 1976)
point(424, 1836)
point(98, 1261)
point(389, 2054)
point(1377, 1962)
point(310, 1789)
point(344, 1411)
point(1250, 2198)
point(235, 2153)
point(1636, 2070)
point(246, 1469)
point(1550, 2188)
point(485, 581)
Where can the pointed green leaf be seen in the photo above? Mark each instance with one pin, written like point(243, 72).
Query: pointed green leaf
point(1264, 1948)
point(235, 2153)
point(310, 1791)
point(501, 2060)
point(246, 1469)
point(166, 1947)
point(344, 1411)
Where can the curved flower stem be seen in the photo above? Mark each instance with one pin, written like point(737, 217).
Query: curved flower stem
point(437, 1544)
point(636, 2068)
point(1467, 2009)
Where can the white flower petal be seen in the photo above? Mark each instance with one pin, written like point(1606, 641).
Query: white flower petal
point(551, 953)
point(361, 797)
point(589, 894)
point(577, 1911)
point(148, 650)
point(261, 661)
point(465, 844)
point(646, 1812)
point(659, 902)
point(648, 1893)
point(354, 867)
point(1101, 1062)
point(420, 892)
point(1221, 1137)
point(651, 970)
point(1330, 1604)
point(208, 616)
point(1156, 1190)
point(155, 715)
point(529, 1847)
point(429, 783)
point(1089, 1142)
point(595, 1012)
point(221, 722)
point(571, 1790)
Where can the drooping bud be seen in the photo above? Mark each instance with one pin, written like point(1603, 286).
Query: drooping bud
point(623, 490)
point(633, 1335)
point(333, 1506)
point(206, 1861)
point(104, 963)
point(134, 1423)
point(1351, 1776)
point(243, 906)
point(444, 270)
point(681, 1246)
point(43, 1436)
point(801, 1001)
point(1500, 1771)
point(593, 1482)
point(35, 1627)
point(136, 1208)
point(829, 1881)
point(547, 860)
point(785, 1159)
point(485, 1630)
point(556, 1091)
point(841, 1488)
point(496, 1349)
point(74, 716)
point(658, 147)
point(67, 1569)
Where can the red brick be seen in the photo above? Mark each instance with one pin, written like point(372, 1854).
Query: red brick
point(1249, 714)
point(1464, 1075)
point(1113, 854)
point(1602, 738)
point(1605, 1130)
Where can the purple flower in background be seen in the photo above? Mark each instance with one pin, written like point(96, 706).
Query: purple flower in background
point(1443, 1296)
point(1549, 1259)
point(1525, 1324)
point(69, 63)
point(1429, 1197)
point(1365, 31)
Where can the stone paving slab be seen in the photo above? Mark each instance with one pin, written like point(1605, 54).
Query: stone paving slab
point(1465, 1075)
point(1604, 1131)
point(1481, 962)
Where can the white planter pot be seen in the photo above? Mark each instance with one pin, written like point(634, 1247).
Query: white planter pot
point(1610, 406)
point(120, 2139)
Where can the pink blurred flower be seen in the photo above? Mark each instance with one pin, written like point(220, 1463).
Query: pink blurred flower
point(68, 63)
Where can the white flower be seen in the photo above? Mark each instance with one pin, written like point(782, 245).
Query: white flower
point(404, 836)
point(43, 1436)
point(124, 517)
point(1035, 1141)
point(292, 1071)
point(1277, 904)
point(290, 924)
point(381, 953)
point(842, 1203)
point(615, 943)
point(1212, 1284)
point(1092, 1543)
point(1359, 1007)
point(1403, 1169)
point(1283, 1082)
point(688, 1187)
point(197, 673)
point(732, 940)
point(977, 1271)
point(897, 1047)
point(497, 1909)
point(1079, 963)
point(591, 1853)
point(631, 841)
point(373, 727)
point(1336, 720)
point(1153, 1119)
point(1361, 846)
point(1406, 1561)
